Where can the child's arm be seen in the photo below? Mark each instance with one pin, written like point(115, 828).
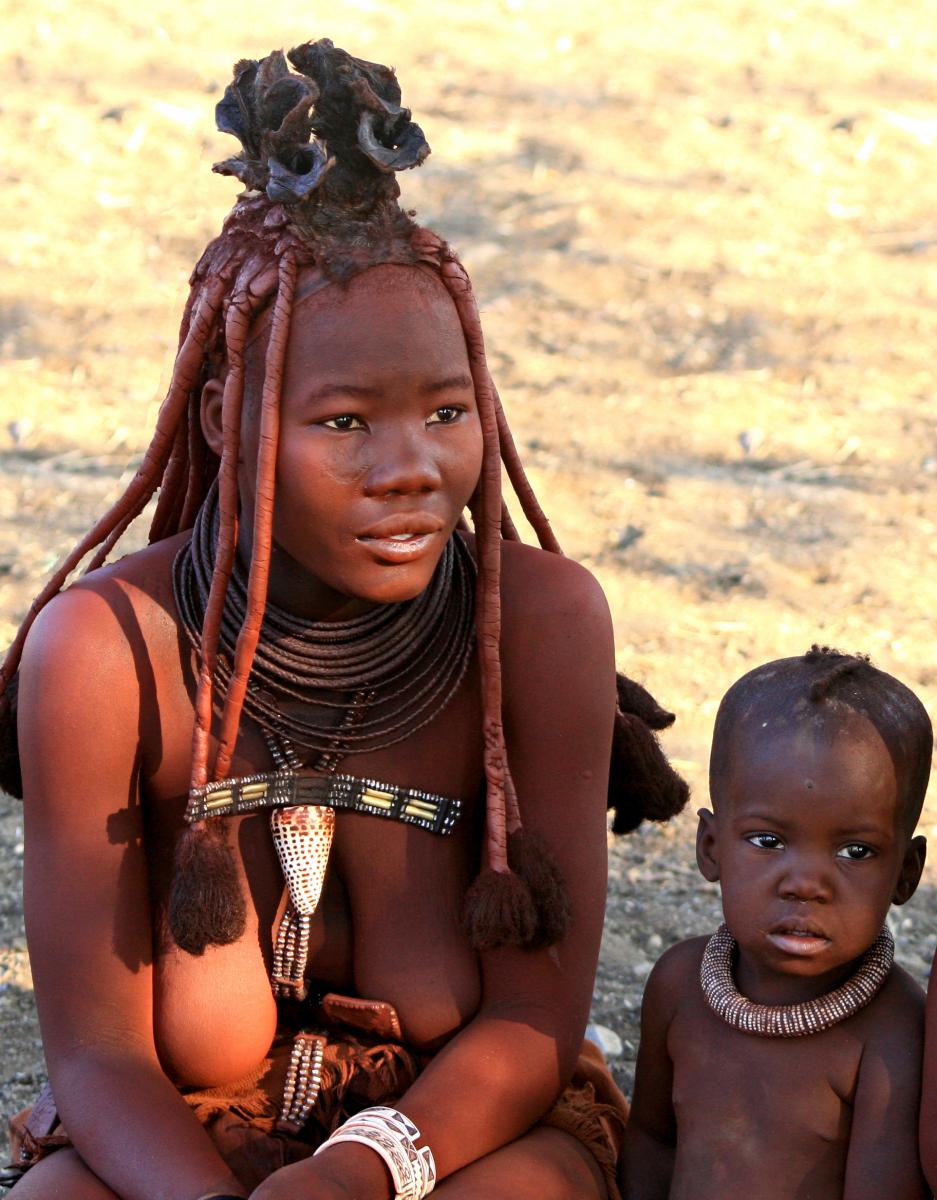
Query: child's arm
point(883, 1145)
point(928, 1127)
point(651, 1135)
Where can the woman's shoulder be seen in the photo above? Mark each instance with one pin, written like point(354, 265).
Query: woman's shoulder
point(97, 629)
point(558, 594)
point(556, 638)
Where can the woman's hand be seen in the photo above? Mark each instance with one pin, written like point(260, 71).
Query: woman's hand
point(346, 1171)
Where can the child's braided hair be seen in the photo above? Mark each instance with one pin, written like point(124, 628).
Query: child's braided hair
point(790, 691)
point(320, 149)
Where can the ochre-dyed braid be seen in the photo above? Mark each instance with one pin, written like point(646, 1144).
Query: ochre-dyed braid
point(530, 505)
point(147, 479)
point(518, 896)
point(265, 492)
point(206, 903)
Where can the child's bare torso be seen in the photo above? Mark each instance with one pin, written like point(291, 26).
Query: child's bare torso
point(769, 1118)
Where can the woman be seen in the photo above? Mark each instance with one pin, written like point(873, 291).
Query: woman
point(309, 601)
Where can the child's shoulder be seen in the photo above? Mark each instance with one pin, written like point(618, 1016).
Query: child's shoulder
point(675, 968)
point(893, 1023)
point(901, 1000)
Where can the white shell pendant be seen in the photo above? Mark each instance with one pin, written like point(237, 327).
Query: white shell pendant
point(303, 838)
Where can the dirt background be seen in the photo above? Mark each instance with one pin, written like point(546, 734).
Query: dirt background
point(704, 239)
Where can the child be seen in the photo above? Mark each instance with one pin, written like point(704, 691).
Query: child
point(780, 1057)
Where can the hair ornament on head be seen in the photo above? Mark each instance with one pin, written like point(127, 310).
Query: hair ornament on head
point(325, 143)
point(320, 149)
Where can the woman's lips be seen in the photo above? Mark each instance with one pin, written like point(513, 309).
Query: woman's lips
point(398, 547)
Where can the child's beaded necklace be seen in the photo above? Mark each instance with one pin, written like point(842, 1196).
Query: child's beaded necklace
point(790, 1020)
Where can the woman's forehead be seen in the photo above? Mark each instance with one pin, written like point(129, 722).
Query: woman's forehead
point(318, 299)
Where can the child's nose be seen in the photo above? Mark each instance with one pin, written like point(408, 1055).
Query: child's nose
point(807, 878)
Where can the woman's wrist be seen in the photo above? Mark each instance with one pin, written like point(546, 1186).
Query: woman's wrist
point(351, 1162)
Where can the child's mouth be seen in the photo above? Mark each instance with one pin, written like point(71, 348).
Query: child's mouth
point(800, 940)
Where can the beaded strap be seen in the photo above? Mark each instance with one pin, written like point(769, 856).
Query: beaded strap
point(290, 955)
point(790, 1020)
point(303, 1080)
point(289, 787)
point(393, 1136)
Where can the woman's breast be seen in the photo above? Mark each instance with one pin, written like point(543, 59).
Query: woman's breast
point(405, 888)
point(215, 1015)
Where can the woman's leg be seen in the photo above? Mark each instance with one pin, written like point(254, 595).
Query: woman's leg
point(61, 1176)
point(545, 1164)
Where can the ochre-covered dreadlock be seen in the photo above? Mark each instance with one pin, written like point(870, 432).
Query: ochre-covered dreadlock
point(320, 148)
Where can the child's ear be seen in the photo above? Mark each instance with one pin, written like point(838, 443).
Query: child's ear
point(707, 856)
point(911, 870)
point(212, 394)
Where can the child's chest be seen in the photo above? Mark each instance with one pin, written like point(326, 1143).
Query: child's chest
point(759, 1109)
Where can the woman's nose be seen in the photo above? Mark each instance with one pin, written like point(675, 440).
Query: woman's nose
point(404, 463)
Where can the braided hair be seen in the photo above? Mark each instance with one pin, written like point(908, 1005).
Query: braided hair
point(321, 146)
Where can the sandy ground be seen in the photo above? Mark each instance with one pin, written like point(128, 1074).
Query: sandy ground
point(704, 240)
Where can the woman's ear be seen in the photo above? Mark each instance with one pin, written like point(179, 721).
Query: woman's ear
point(707, 846)
point(212, 395)
point(911, 870)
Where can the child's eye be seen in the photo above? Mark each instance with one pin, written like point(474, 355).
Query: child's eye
point(445, 415)
point(765, 841)
point(344, 422)
point(857, 851)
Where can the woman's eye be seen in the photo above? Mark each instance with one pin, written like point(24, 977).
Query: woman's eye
point(344, 422)
point(856, 851)
point(445, 415)
point(765, 841)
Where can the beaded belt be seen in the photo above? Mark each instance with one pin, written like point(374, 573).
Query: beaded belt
point(287, 787)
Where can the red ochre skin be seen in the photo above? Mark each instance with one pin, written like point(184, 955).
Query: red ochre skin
point(379, 424)
point(809, 845)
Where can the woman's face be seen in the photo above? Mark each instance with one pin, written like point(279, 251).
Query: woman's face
point(380, 443)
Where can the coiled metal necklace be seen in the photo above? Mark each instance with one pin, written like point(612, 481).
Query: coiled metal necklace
point(344, 674)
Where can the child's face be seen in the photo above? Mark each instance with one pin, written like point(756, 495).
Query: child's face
point(809, 848)
point(380, 441)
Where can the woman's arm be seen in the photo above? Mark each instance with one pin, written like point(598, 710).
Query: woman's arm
point(87, 905)
point(502, 1073)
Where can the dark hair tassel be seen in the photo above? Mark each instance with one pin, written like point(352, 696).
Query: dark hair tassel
point(642, 783)
point(637, 700)
point(206, 901)
point(499, 911)
point(531, 858)
point(11, 778)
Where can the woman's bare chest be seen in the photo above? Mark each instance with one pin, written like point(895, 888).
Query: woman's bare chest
point(386, 925)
